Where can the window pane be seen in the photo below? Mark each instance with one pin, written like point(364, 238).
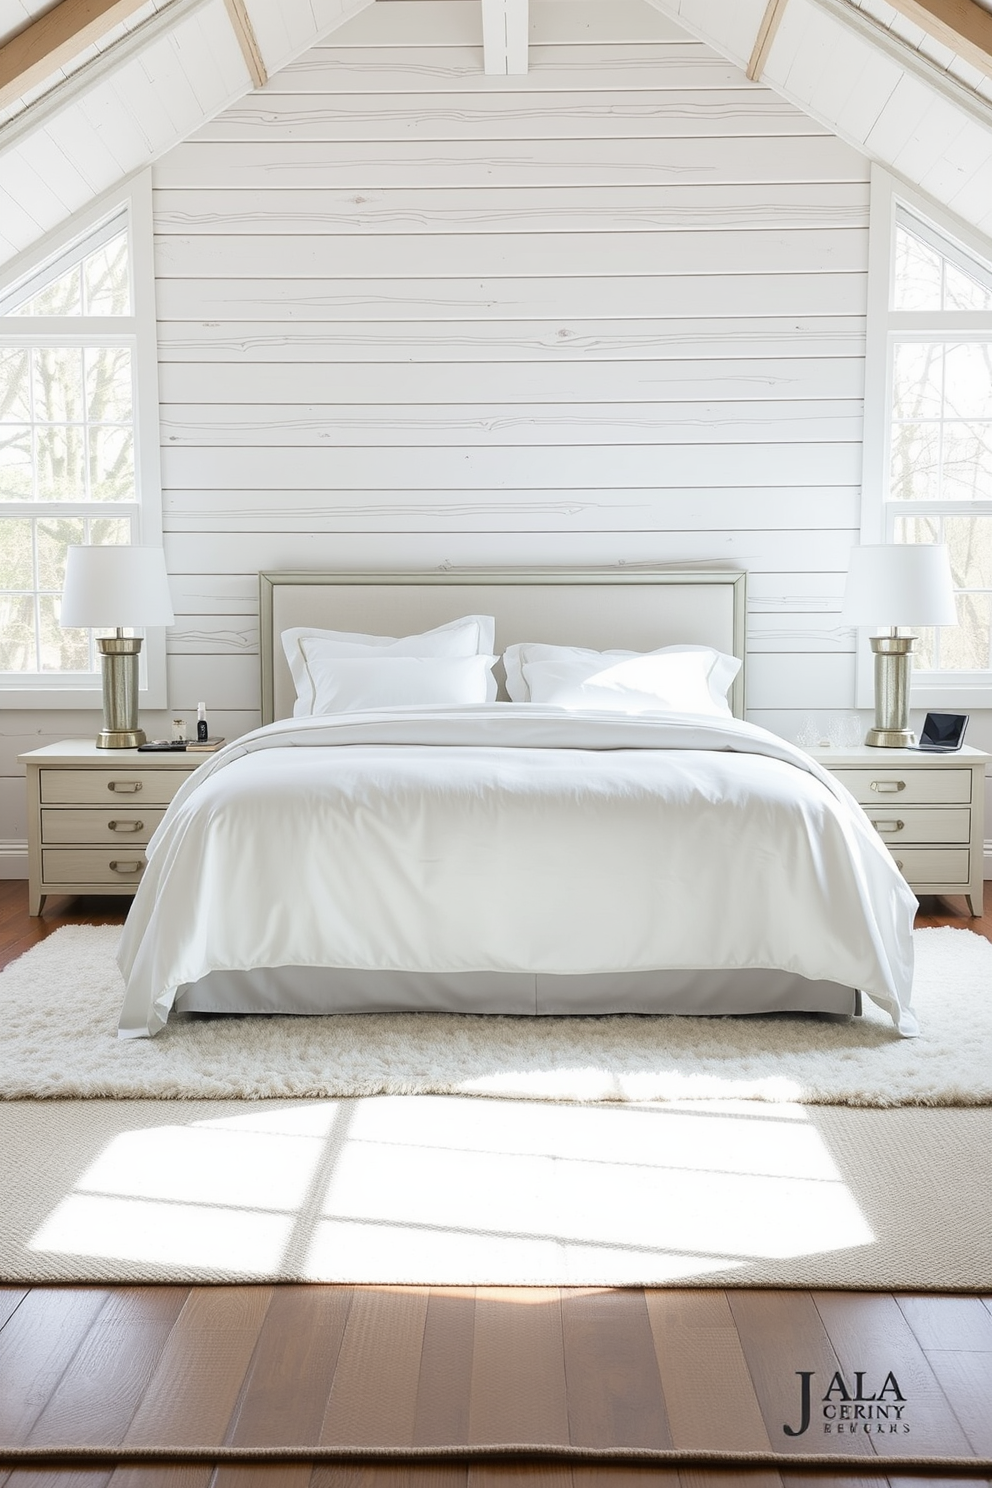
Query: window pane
point(17, 642)
point(109, 532)
point(16, 557)
point(917, 274)
point(59, 462)
point(62, 297)
point(105, 279)
point(16, 465)
point(916, 462)
point(917, 380)
point(15, 392)
point(55, 534)
point(968, 380)
point(967, 463)
point(965, 647)
point(969, 543)
point(58, 384)
point(111, 463)
point(961, 292)
point(108, 384)
point(61, 650)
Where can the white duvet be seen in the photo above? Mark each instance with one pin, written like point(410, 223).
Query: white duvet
point(512, 837)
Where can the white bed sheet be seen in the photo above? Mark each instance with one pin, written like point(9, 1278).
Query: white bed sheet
point(515, 838)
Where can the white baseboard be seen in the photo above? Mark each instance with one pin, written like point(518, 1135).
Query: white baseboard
point(13, 858)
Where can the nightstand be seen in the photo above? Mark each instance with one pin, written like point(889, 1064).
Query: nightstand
point(90, 813)
point(928, 808)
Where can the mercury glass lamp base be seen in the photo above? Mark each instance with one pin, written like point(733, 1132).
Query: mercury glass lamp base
point(890, 738)
point(119, 659)
point(120, 738)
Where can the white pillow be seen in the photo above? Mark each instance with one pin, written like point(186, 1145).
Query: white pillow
point(472, 635)
point(345, 683)
point(682, 679)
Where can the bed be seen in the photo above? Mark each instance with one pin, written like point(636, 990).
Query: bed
point(501, 856)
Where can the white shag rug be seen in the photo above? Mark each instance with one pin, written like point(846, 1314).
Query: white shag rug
point(59, 1005)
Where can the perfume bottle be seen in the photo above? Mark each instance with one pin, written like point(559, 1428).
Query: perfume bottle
point(202, 733)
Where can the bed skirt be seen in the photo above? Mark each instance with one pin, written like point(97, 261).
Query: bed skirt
point(314, 990)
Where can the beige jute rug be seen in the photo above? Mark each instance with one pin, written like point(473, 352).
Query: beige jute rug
point(444, 1190)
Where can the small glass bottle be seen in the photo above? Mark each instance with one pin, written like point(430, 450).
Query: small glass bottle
point(202, 732)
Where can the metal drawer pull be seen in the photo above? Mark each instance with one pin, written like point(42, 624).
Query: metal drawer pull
point(125, 826)
point(899, 864)
point(888, 826)
point(888, 787)
point(117, 867)
point(124, 787)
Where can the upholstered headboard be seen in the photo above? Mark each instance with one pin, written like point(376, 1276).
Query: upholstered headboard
point(609, 609)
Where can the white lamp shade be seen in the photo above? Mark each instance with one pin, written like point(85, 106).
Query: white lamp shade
point(896, 584)
point(111, 586)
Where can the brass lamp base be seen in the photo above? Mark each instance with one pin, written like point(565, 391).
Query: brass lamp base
point(120, 693)
point(893, 663)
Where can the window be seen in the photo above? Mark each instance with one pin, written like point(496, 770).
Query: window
point(75, 354)
point(929, 455)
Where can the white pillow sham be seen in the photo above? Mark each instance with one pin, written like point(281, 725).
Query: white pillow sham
point(346, 683)
point(471, 635)
point(682, 679)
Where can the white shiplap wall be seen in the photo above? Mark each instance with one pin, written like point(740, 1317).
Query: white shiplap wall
point(611, 311)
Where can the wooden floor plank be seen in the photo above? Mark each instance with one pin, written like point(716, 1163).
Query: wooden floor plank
point(520, 1475)
point(608, 1475)
point(10, 1300)
point(163, 1475)
point(782, 1334)
point(58, 1477)
point(518, 1367)
point(709, 1396)
point(398, 1475)
point(373, 1399)
point(966, 1380)
point(102, 1387)
point(445, 1387)
point(262, 1475)
point(613, 1389)
point(941, 1322)
point(872, 1335)
point(709, 1477)
point(36, 1348)
point(284, 1396)
point(192, 1395)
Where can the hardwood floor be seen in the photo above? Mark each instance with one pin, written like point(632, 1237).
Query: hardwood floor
point(202, 1370)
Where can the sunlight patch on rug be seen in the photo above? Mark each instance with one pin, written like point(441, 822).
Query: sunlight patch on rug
point(353, 1189)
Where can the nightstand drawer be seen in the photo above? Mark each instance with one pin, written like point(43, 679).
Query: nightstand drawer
point(920, 823)
point(910, 787)
point(91, 828)
point(933, 865)
point(128, 785)
point(92, 865)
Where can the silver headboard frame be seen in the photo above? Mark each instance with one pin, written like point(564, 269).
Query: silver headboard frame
point(604, 609)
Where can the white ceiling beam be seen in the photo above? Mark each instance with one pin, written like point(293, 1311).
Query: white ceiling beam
point(42, 47)
point(770, 21)
point(237, 14)
point(505, 28)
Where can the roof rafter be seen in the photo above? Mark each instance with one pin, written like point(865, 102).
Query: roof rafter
point(774, 11)
point(959, 24)
point(237, 14)
point(41, 48)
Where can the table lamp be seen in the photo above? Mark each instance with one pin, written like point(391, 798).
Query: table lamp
point(117, 586)
point(897, 584)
